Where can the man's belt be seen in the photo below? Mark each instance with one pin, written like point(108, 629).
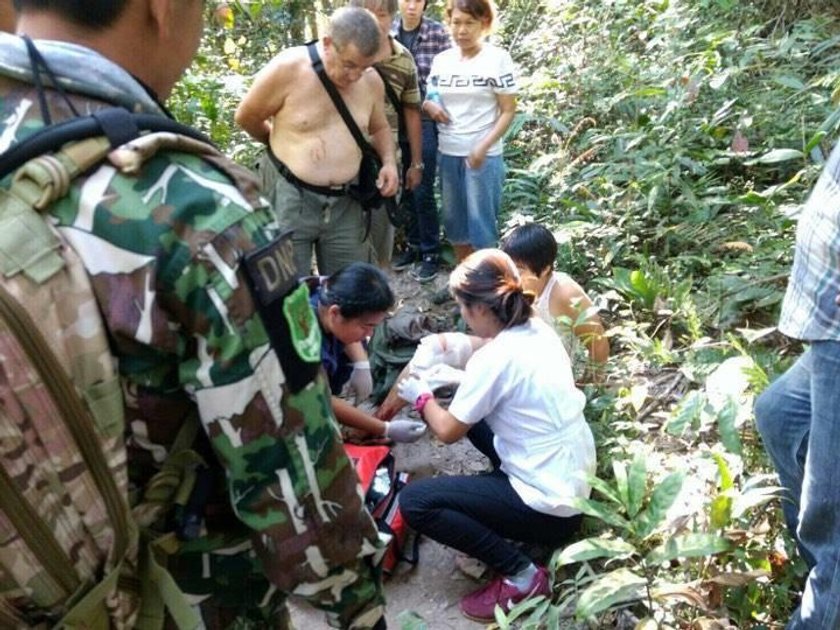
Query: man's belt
point(294, 180)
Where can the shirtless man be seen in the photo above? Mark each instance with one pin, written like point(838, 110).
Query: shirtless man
point(311, 156)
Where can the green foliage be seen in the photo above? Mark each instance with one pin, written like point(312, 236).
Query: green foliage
point(663, 496)
point(726, 426)
point(637, 286)
point(670, 146)
point(593, 548)
point(637, 512)
point(687, 414)
point(678, 153)
point(642, 545)
point(616, 587)
point(687, 546)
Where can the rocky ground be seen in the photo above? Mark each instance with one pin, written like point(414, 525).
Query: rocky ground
point(431, 590)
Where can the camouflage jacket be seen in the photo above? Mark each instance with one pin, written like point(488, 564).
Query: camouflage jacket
point(164, 251)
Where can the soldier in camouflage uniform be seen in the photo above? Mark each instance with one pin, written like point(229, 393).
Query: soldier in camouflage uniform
point(166, 253)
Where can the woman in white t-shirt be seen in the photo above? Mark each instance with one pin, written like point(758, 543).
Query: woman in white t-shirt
point(518, 404)
point(471, 95)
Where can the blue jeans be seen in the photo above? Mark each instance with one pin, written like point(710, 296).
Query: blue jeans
point(471, 199)
point(479, 514)
point(423, 232)
point(798, 417)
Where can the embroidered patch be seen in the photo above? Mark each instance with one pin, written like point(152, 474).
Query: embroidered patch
point(283, 305)
point(272, 269)
point(303, 325)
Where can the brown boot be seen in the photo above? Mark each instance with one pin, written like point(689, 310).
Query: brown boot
point(462, 251)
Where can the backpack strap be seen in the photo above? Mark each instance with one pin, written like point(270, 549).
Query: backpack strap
point(329, 86)
point(159, 593)
point(116, 123)
point(172, 485)
point(81, 426)
point(89, 611)
point(175, 480)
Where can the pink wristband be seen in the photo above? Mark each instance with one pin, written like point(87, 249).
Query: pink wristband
point(421, 401)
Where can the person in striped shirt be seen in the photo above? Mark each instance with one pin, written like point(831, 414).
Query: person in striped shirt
point(798, 415)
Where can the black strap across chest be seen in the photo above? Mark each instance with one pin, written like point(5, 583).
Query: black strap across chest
point(329, 86)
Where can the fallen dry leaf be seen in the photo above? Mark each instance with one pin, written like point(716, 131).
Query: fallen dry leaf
point(740, 144)
point(735, 246)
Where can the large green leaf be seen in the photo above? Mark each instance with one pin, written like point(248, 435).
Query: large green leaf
point(748, 499)
point(687, 546)
point(550, 620)
point(686, 413)
point(720, 508)
point(599, 510)
point(815, 140)
point(636, 485)
point(729, 436)
point(604, 488)
point(592, 548)
point(775, 156)
point(620, 473)
point(720, 511)
point(635, 285)
point(538, 606)
point(791, 82)
point(617, 587)
point(723, 471)
point(661, 500)
point(642, 287)
point(831, 122)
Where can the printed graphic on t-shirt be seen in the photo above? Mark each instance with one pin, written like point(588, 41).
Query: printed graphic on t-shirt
point(460, 80)
point(470, 91)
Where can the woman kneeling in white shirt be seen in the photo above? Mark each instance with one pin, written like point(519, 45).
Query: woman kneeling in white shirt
point(518, 404)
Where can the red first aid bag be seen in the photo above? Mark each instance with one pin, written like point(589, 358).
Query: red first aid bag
point(382, 484)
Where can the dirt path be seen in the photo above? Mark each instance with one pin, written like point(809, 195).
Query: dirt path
point(432, 589)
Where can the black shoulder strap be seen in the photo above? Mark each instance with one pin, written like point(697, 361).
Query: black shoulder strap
point(318, 66)
point(118, 124)
point(395, 102)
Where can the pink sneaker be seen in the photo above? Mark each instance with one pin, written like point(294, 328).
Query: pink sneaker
point(479, 605)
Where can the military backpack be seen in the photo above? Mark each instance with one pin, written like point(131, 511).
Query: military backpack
point(73, 553)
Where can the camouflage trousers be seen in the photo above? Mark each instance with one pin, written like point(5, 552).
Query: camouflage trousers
point(230, 588)
point(325, 549)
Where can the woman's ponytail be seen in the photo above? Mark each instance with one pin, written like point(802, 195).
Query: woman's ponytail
point(489, 277)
